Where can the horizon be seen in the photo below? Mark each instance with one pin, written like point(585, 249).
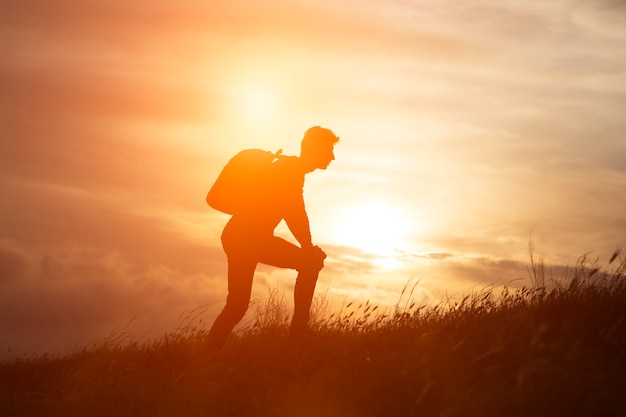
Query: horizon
point(468, 130)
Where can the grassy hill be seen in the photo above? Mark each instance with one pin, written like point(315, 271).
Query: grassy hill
point(555, 349)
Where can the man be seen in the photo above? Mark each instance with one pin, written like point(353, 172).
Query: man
point(248, 238)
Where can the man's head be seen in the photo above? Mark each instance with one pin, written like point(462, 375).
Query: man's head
point(316, 149)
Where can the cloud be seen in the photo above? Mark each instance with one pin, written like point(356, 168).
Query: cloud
point(435, 255)
point(76, 265)
point(604, 17)
point(349, 260)
point(77, 296)
point(52, 92)
point(13, 265)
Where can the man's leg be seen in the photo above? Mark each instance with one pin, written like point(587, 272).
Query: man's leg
point(240, 277)
point(281, 253)
point(303, 298)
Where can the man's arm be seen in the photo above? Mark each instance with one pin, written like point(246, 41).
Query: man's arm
point(298, 222)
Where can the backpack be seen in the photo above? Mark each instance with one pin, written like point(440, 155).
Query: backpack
point(243, 181)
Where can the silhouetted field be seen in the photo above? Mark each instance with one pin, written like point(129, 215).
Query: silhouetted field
point(557, 348)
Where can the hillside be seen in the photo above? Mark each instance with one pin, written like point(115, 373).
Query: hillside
point(556, 349)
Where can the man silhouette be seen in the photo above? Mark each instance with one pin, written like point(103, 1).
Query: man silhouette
point(248, 238)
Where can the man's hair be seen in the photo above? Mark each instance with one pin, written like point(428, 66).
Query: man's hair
point(317, 136)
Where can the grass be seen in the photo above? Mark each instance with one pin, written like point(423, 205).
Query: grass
point(557, 347)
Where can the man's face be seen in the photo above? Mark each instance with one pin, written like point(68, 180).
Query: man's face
point(324, 156)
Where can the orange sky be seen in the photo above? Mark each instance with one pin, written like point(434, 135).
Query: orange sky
point(465, 127)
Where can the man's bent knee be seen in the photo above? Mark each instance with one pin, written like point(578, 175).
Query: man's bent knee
point(313, 261)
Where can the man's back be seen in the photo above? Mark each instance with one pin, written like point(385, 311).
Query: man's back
point(280, 195)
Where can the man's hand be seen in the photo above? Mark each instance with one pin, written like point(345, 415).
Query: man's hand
point(318, 252)
point(315, 257)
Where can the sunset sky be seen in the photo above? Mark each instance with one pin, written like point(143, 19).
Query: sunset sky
point(467, 128)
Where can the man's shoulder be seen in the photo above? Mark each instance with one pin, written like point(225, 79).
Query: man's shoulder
point(287, 170)
point(288, 164)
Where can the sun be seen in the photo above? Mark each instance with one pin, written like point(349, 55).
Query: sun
point(259, 102)
point(373, 227)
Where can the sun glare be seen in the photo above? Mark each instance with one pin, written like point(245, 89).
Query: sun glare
point(259, 103)
point(374, 227)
